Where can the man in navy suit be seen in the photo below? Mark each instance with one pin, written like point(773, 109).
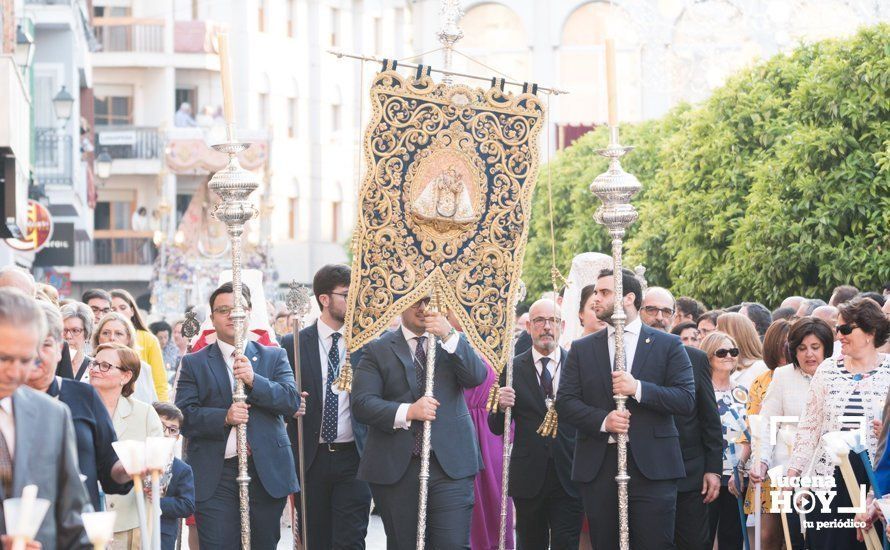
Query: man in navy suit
point(387, 395)
point(659, 384)
point(548, 507)
point(339, 504)
point(206, 381)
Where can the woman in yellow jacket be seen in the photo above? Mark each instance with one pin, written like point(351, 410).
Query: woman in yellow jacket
point(148, 347)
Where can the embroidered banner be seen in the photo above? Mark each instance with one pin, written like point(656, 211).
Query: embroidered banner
point(445, 202)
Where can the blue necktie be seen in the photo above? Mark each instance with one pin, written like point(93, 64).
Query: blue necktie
point(331, 409)
point(546, 378)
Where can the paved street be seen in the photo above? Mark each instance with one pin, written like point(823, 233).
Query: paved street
point(375, 540)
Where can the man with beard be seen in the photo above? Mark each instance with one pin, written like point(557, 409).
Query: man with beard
point(659, 384)
point(388, 395)
point(548, 508)
point(701, 434)
point(338, 503)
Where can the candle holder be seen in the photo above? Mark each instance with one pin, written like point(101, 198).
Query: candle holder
point(131, 453)
point(24, 515)
point(838, 446)
point(158, 454)
point(298, 303)
point(233, 184)
point(99, 527)
point(614, 188)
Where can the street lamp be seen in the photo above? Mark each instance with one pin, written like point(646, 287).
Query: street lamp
point(103, 165)
point(24, 46)
point(63, 104)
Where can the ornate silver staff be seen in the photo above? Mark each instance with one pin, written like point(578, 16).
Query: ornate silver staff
point(508, 418)
point(614, 188)
point(298, 305)
point(234, 185)
point(448, 35)
point(427, 443)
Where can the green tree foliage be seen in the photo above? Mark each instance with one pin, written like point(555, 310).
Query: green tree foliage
point(778, 184)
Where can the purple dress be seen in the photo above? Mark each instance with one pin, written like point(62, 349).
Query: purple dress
point(487, 485)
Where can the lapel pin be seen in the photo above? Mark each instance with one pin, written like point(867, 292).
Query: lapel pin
point(254, 358)
point(647, 341)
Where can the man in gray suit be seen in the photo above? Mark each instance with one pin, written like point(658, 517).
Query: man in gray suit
point(387, 395)
point(37, 444)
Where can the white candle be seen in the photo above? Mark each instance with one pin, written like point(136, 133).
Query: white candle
point(225, 73)
point(611, 83)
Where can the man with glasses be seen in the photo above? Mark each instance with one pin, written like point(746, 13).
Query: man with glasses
point(701, 434)
point(658, 383)
point(548, 507)
point(204, 395)
point(339, 502)
point(99, 302)
point(388, 396)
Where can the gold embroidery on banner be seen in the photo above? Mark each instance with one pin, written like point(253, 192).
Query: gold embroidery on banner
point(445, 201)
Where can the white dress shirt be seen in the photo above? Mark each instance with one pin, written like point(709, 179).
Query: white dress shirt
point(449, 345)
point(631, 338)
point(344, 419)
point(552, 366)
point(7, 424)
point(228, 353)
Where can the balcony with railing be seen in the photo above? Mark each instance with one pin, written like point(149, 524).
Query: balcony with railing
point(130, 34)
point(129, 142)
point(116, 247)
point(53, 157)
point(134, 42)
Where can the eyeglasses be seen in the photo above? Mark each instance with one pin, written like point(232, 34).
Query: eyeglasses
point(225, 311)
point(421, 304)
point(170, 429)
point(540, 322)
point(721, 353)
point(72, 331)
point(652, 310)
point(102, 310)
point(344, 294)
point(846, 329)
point(103, 366)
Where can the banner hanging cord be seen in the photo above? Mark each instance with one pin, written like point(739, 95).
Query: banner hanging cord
point(555, 275)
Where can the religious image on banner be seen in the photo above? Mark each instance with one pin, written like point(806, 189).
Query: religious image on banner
point(445, 204)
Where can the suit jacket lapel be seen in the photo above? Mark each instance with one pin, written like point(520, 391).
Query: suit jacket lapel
point(529, 372)
point(403, 352)
point(218, 370)
point(644, 344)
point(23, 415)
point(313, 369)
point(602, 364)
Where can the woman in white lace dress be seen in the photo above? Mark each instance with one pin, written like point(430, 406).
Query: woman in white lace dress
point(848, 386)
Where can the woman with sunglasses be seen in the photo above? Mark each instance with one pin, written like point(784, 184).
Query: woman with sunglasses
point(113, 374)
point(93, 430)
point(744, 333)
point(114, 327)
point(850, 385)
point(146, 344)
point(723, 357)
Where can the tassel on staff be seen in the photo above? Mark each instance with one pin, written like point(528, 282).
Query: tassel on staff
point(491, 404)
point(344, 380)
point(548, 427)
